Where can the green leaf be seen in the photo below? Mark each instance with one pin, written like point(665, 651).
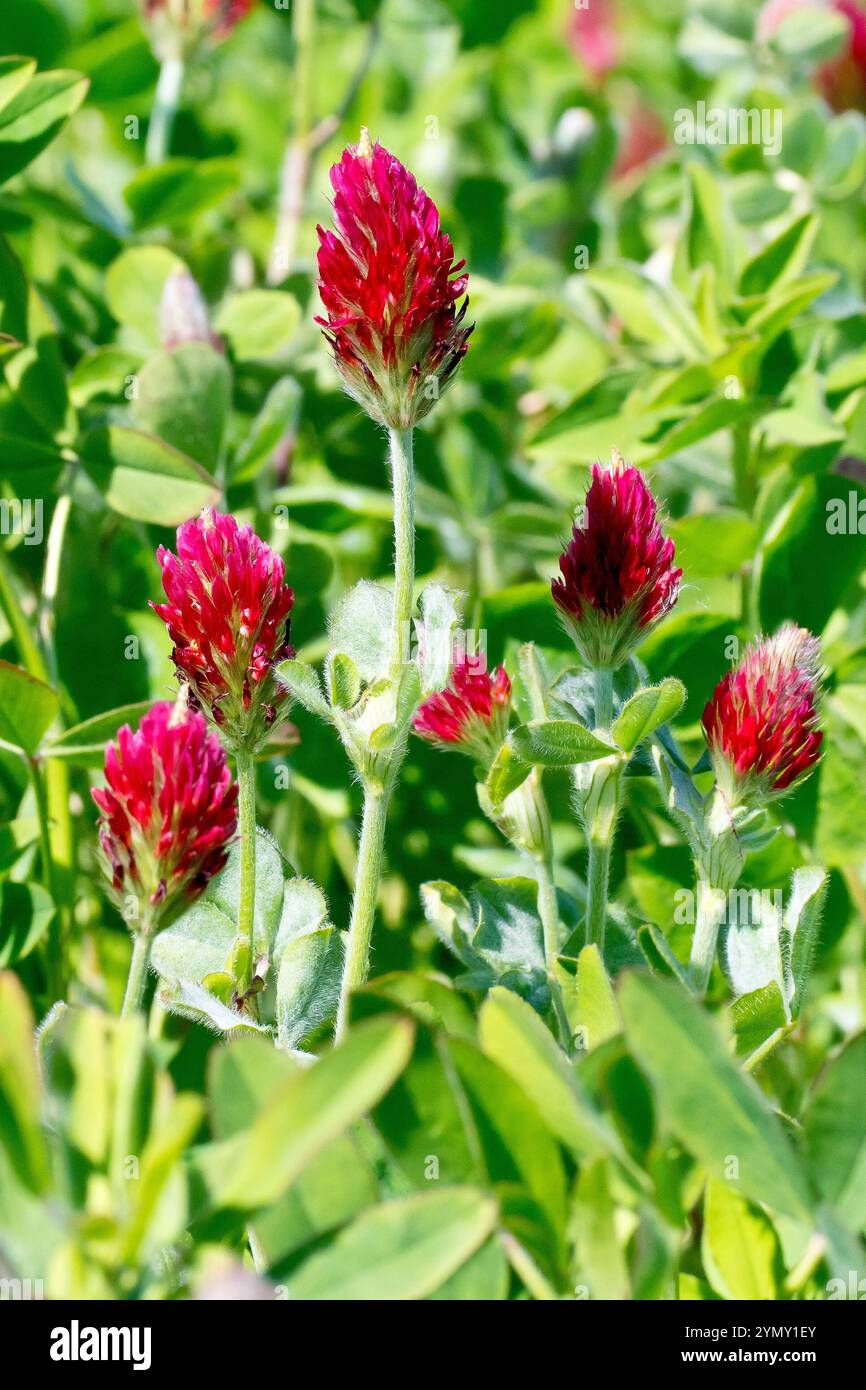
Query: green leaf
point(482, 1279)
point(27, 708)
point(514, 1036)
point(599, 1016)
point(811, 35)
point(102, 372)
point(21, 1133)
point(26, 912)
point(35, 115)
point(15, 73)
point(344, 680)
point(177, 190)
point(834, 1125)
point(258, 323)
point(507, 773)
point(714, 543)
point(440, 615)
point(305, 686)
point(557, 743)
point(713, 1109)
point(145, 479)
point(646, 711)
point(84, 744)
point(275, 422)
point(601, 1262)
point(739, 1246)
point(403, 1249)
point(757, 1017)
point(782, 258)
point(800, 931)
point(309, 1111)
point(360, 626)
point(308, 984)
point(184, 397)
point(134, 283)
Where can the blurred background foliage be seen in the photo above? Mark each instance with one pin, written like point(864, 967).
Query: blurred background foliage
point(698, 306)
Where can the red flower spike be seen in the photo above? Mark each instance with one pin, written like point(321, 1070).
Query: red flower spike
point(762, 721)
point(169, 812)
point(389, 287)
point(618, 578)
point(471, 714)
point(228, 616)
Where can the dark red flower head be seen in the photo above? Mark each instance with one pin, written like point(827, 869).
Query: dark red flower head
point(762, 722)
point(389, 286)
point(228, 617)
point(618, 577)
point(169, 811)
point(471, 714)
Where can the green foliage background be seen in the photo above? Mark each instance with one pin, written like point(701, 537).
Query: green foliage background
point(704, 314)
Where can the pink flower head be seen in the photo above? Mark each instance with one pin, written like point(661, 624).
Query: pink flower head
point(618, 577)
point(762, 721)
point(471, 714)
point(169, 811)
point(228, 617)
point(177, 26)
point(389, 286)
point(594, 38)
point(183, 316)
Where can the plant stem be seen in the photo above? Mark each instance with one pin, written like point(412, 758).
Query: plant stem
point(710, 911)
point(369, 867)
point(247, 826)
point(137, 977)
point(403, 483)
point(165, 104)
point(603, 686)
point(51, 579)
point(598, 874)
point(598, 868)
point(548, 909)
point(56, 972)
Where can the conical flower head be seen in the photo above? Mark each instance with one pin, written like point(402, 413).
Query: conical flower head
point(471, 714)
point(178, 26)
point(618, 578)
point(762, 721)
point(169, 811)
point(228, 617)
point(389, 286)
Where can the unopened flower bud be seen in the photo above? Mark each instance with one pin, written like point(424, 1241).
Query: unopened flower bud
point(471, 714)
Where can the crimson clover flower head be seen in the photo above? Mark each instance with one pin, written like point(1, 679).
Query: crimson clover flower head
point(762, 721)
point(618, 578)
point(169, 812)
point(389, 286)
point(471, 714)
point(228, 617)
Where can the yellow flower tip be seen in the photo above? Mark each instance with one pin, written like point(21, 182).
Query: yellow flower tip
point(365, 144)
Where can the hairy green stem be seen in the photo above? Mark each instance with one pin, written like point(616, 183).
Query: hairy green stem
point(603, 688)
point(367, 872)
point(548, 908)
point(137, 978)
point(247, 827)
point(403, 483)
point(56, 971)
point(165, 104)
point(598, 874)
point(709, 915)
